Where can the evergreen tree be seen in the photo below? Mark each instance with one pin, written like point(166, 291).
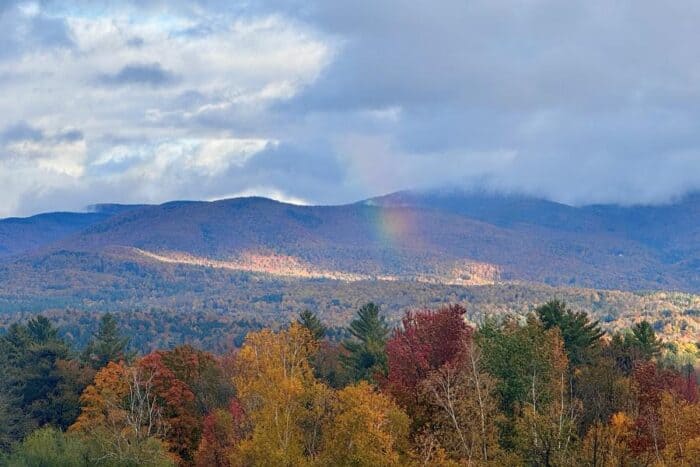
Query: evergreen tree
point(581, 336)
point(310, 321)
point(366, 353)
point(644, 339)
point(108, 345)
point(32, 359)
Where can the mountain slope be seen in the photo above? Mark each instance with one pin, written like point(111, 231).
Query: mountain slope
point(440, 237)
point(19, 235)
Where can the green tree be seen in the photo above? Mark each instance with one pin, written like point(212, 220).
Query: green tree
point(108, 345)
point(644, 339)
point(581, 336)
point(50, 447)
point(366, 352)
point(33, 362)
point(13, 424)
point(310, 321)
point(531, 368)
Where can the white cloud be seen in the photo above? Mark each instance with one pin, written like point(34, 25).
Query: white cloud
point(334, 101)
point(134, 128)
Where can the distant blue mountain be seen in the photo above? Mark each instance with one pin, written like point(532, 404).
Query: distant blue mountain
point(20, 235)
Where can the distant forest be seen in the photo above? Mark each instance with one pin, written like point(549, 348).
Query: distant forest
point(214, 310)
point(550, 388)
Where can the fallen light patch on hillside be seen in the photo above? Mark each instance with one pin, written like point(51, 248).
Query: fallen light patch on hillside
point(463, 273)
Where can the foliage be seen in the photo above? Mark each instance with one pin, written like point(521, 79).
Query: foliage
point(39, 385)
point(50, 447)
point(367, 429)
point(108, 345)
point(218, 437)
point(504, 393)
point(121, 419)
point(645, 341)
point(214, 309)
point(279, 394)
point(310, 321)
point(581, 337)
point(427, 341)
point(366, 355)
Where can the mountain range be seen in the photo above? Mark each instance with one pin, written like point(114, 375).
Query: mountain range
point(208, 272)
point(445, 237)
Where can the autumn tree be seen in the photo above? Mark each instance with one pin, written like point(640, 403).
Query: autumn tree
point(177, 405)
point(680, 422)
point(546, 420)
point(650, 385)
point(608, 444)
point(204, 375)
point(603, 391)
point(283, 401)
point(367, 429)
point(218, 437)
point(121, 418)
point(465, 411)
point(426, 341)
point(329, 364)
point(366, 355)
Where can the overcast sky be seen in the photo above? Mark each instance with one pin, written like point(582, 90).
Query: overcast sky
point(333, 101)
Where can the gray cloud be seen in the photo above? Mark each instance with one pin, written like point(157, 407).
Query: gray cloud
point(21, 131)
point(135, 42)
point(579, 101)
point(26, 31)
point(151, 74)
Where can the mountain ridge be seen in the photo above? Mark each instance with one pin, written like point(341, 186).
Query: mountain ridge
point(412, 234)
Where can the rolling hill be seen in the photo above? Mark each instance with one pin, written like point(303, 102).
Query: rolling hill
point(448, 237)
point(259, 256)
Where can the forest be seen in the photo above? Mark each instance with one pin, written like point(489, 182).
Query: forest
point(551, 388)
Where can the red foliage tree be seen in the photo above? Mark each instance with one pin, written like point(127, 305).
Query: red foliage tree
point(428, 340)
point(651, 382)
point(221, 429)
point(178, 404)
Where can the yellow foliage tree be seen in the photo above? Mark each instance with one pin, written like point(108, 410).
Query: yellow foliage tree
point(367, 429)
point(284, 402)
point(680, 421)
point(608, 445)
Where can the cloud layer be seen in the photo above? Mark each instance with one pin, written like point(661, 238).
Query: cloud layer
point(328, 102)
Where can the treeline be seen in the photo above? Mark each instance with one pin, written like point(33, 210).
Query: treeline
point(550, 389)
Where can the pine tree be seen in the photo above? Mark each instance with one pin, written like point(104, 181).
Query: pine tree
point(580, 335)
point(644, 339)
point(31, 359)
point(310, 321)
point(108, 345)
point(366, 353)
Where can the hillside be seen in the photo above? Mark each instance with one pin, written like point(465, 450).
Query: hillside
point(22, 235)
point(262, 259)
point(454, 238)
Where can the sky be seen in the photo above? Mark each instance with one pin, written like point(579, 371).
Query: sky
point(325, 102)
